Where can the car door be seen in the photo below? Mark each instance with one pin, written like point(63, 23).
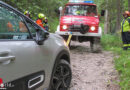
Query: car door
point(22, 61)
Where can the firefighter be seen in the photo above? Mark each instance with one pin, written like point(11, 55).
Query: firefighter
point(10, 27)
point(40, 20)
point(125, 27)
point(46, 24)
point(78, 12)
point(27, 13)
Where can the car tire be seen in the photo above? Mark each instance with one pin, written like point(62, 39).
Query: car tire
point(95, 45)
point(61, 77)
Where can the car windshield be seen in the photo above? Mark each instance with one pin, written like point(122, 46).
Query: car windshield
point(83, 10)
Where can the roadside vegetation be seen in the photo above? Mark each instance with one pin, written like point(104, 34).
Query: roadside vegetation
point(111, 39)
point(122, 58)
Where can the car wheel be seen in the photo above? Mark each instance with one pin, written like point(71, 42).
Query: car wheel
point(62, 76)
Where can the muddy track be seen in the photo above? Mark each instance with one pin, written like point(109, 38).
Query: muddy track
point(92, 71)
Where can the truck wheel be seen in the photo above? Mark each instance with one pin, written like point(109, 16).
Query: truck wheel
point(95, 45)
point(62, 76)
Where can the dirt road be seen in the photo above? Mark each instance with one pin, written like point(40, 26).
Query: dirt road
point(92, 71)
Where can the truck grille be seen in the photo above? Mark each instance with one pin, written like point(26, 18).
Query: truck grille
point(78, 28)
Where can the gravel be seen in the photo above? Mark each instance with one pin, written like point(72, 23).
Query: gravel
point(92, 71)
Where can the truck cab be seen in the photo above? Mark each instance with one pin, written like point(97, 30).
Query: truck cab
point(82, 21)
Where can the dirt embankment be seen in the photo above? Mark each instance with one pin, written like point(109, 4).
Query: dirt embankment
point(92, 71)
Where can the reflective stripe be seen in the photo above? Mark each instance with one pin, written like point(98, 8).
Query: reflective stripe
point(126, 45)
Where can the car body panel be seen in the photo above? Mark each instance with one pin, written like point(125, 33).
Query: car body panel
point(29, 56)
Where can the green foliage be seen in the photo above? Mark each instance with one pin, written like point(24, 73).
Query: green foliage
point(48, 7)
point(111, 41)
point(122, 63)
point(111, 6)
point(123, 66)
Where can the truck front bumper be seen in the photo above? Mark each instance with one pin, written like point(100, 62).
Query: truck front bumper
point(63, 33)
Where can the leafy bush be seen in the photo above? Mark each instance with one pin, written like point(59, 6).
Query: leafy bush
point(111, 41)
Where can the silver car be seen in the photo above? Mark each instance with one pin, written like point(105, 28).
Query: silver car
point(30, 57)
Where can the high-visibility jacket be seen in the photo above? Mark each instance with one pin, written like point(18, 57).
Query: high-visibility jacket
point(40, 23)
point(10, 27)
point(22, 27)
point(125, 25)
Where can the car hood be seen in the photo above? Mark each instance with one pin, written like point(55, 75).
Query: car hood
point(86, 20)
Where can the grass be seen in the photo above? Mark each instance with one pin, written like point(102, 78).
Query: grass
point(122, 63)
point(53, 22)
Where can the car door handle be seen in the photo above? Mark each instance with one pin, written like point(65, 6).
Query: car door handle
point(7, 58)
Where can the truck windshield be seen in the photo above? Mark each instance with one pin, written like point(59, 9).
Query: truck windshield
point(82, 10)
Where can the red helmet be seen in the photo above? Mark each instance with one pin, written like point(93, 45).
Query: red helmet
point(126, 13)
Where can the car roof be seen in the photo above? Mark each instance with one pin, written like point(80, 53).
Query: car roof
point(72, 3)
point(1, 2)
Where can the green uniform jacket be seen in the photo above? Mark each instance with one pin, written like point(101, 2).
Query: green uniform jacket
point(125, 25)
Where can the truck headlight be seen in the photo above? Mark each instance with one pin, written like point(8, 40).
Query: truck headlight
point(64, 27)
point(93, 28)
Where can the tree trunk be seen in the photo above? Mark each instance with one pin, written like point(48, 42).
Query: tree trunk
point(118, 19)
point(106, 26)
point(129, 5)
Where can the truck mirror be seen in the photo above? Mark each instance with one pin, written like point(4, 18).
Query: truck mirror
point(102, 12)
point(60, 8)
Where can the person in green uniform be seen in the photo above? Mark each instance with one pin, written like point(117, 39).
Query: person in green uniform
point(125, 27)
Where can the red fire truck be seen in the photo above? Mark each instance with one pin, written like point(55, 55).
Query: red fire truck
point(82, 21)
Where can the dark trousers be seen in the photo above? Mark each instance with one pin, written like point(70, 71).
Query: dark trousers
point(126, 40)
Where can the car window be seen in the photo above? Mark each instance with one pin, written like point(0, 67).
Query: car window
point(31, 28)
point(12, 26)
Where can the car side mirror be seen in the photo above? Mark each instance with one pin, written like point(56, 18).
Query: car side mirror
point(41, 36)
point(102, 12)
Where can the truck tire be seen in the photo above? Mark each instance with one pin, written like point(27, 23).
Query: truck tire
point(95, 45)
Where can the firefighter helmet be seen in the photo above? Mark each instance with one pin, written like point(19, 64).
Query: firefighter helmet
point(126, 13)
point(41, 15)
point(26, 12)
